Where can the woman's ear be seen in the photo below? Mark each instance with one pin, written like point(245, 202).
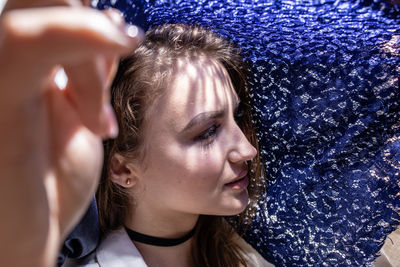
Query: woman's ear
point(122, 172)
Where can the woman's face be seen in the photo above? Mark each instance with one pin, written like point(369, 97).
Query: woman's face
point(195, 159)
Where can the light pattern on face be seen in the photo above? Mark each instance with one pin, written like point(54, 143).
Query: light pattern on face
point(196, 154)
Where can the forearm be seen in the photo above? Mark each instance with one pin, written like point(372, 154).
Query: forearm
point(51, 152)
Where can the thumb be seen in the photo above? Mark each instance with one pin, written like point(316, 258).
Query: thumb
point(66, 34)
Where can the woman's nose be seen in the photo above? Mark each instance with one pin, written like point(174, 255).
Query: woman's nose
point(241, 150)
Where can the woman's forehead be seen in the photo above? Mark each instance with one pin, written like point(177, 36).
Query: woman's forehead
point(201, 83)
point(197, 86)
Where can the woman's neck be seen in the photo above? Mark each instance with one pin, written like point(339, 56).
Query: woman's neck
point(163, 224)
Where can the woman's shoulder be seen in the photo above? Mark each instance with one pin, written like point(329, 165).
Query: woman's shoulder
point(115, 250)
point(254, 259)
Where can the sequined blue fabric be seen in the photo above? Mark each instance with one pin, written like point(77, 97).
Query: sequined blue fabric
point(325, 91)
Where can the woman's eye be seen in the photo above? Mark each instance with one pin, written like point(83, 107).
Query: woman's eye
point(208, 134)
point(239, 113)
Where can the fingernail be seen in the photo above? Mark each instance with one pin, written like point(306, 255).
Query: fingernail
point(132, 30)
point(105, 24)
point(115, 15)
point(109, 121)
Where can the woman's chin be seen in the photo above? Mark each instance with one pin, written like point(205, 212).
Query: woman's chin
point(237, 205)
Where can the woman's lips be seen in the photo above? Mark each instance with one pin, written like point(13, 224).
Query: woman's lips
point(239, 184)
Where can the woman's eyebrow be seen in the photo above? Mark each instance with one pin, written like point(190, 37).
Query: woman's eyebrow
point(204, 116)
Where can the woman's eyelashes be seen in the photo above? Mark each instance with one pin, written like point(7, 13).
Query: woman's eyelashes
point(209, 135)
point(239, 113)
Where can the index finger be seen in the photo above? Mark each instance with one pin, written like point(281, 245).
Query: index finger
point(89, 87)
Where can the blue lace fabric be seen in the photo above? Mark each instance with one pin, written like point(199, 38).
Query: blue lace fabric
point(325, 92)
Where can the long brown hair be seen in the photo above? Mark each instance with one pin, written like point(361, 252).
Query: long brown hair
point(140, 80)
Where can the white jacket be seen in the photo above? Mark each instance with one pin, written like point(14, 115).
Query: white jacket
point(117, 250)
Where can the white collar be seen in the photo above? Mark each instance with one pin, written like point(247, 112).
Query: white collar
point(117, 250)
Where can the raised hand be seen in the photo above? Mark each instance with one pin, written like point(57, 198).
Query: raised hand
point(51, 152)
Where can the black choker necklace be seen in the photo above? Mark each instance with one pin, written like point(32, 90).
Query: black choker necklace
point(158, 241)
